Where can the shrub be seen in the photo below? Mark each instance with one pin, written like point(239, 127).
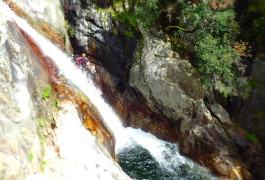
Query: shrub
point(30, 157)
point(129, 21)
point(47, 92)
point(256, 12)
point(212, 38)
point(147, 12)
point(128, 33)
point(69, 29)
point(216, 57)
point(252, 137)
point(204, 30)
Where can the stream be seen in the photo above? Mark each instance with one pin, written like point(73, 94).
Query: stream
point(141, 155)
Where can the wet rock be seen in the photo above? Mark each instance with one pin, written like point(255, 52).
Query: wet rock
point(97, 35)
point(77, 155)
point(89, 115)
point(30, 148)
point(20, 74)
point(203, 139)
point(133, 109)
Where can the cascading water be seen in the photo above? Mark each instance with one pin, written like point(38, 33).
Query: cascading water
point(141, 154)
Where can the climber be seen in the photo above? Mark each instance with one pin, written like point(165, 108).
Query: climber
point(82, 61)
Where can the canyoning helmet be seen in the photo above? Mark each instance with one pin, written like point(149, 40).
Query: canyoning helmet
point(83, 54)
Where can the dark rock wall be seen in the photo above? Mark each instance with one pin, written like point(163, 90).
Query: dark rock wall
point(251, 114)
point(95, 35)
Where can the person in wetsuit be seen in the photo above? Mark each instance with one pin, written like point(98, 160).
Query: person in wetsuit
point(82, 61)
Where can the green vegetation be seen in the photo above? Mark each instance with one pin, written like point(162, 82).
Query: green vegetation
point(147, 12)
point(55, 105)
point(100, 10)
point(258, 8)
point(42, 165)
point(252, 137)
point(262, 127)
point(259, 115)
point(128, 19)
point(30, 157)
point(18, 110)
point(47, 92)
point(213, 39)
point(253, 23)
point(209, 33)
point(43, 124)
point(104, 20)
point(237, 125)
point(70, 30)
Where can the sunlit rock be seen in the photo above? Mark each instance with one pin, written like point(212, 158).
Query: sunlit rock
point(31, 123)
point(171, 85)
point(21, 76)
point(46, 10)
point(46, 17)
point(220, 113)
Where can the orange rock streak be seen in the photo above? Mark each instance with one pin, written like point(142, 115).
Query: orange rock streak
point(90, 116)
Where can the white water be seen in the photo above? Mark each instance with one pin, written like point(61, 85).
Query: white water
point(125, 137)
point(81, 157)
point(74, 75)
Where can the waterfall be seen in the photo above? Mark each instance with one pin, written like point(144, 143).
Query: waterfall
point(164, 155)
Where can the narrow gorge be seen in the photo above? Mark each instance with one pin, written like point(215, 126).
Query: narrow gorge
point(173, 90)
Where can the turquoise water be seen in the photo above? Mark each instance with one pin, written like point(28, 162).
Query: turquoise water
point(139, 164)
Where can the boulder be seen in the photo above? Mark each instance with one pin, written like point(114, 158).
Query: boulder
point(168, 82)
point(172, 86)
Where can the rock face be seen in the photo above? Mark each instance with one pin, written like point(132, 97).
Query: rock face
point(96, 34)
point(51, 25)
point(164, 85)
point(132, 108)
point(171, 85)
point(22, 82)
point(165, 79)
point(34, 138)
point(49, 11)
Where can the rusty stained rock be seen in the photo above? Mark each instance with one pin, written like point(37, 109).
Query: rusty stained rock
point(91, 117)
point(48, 65)
point(199, 138)
point(132, 108)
